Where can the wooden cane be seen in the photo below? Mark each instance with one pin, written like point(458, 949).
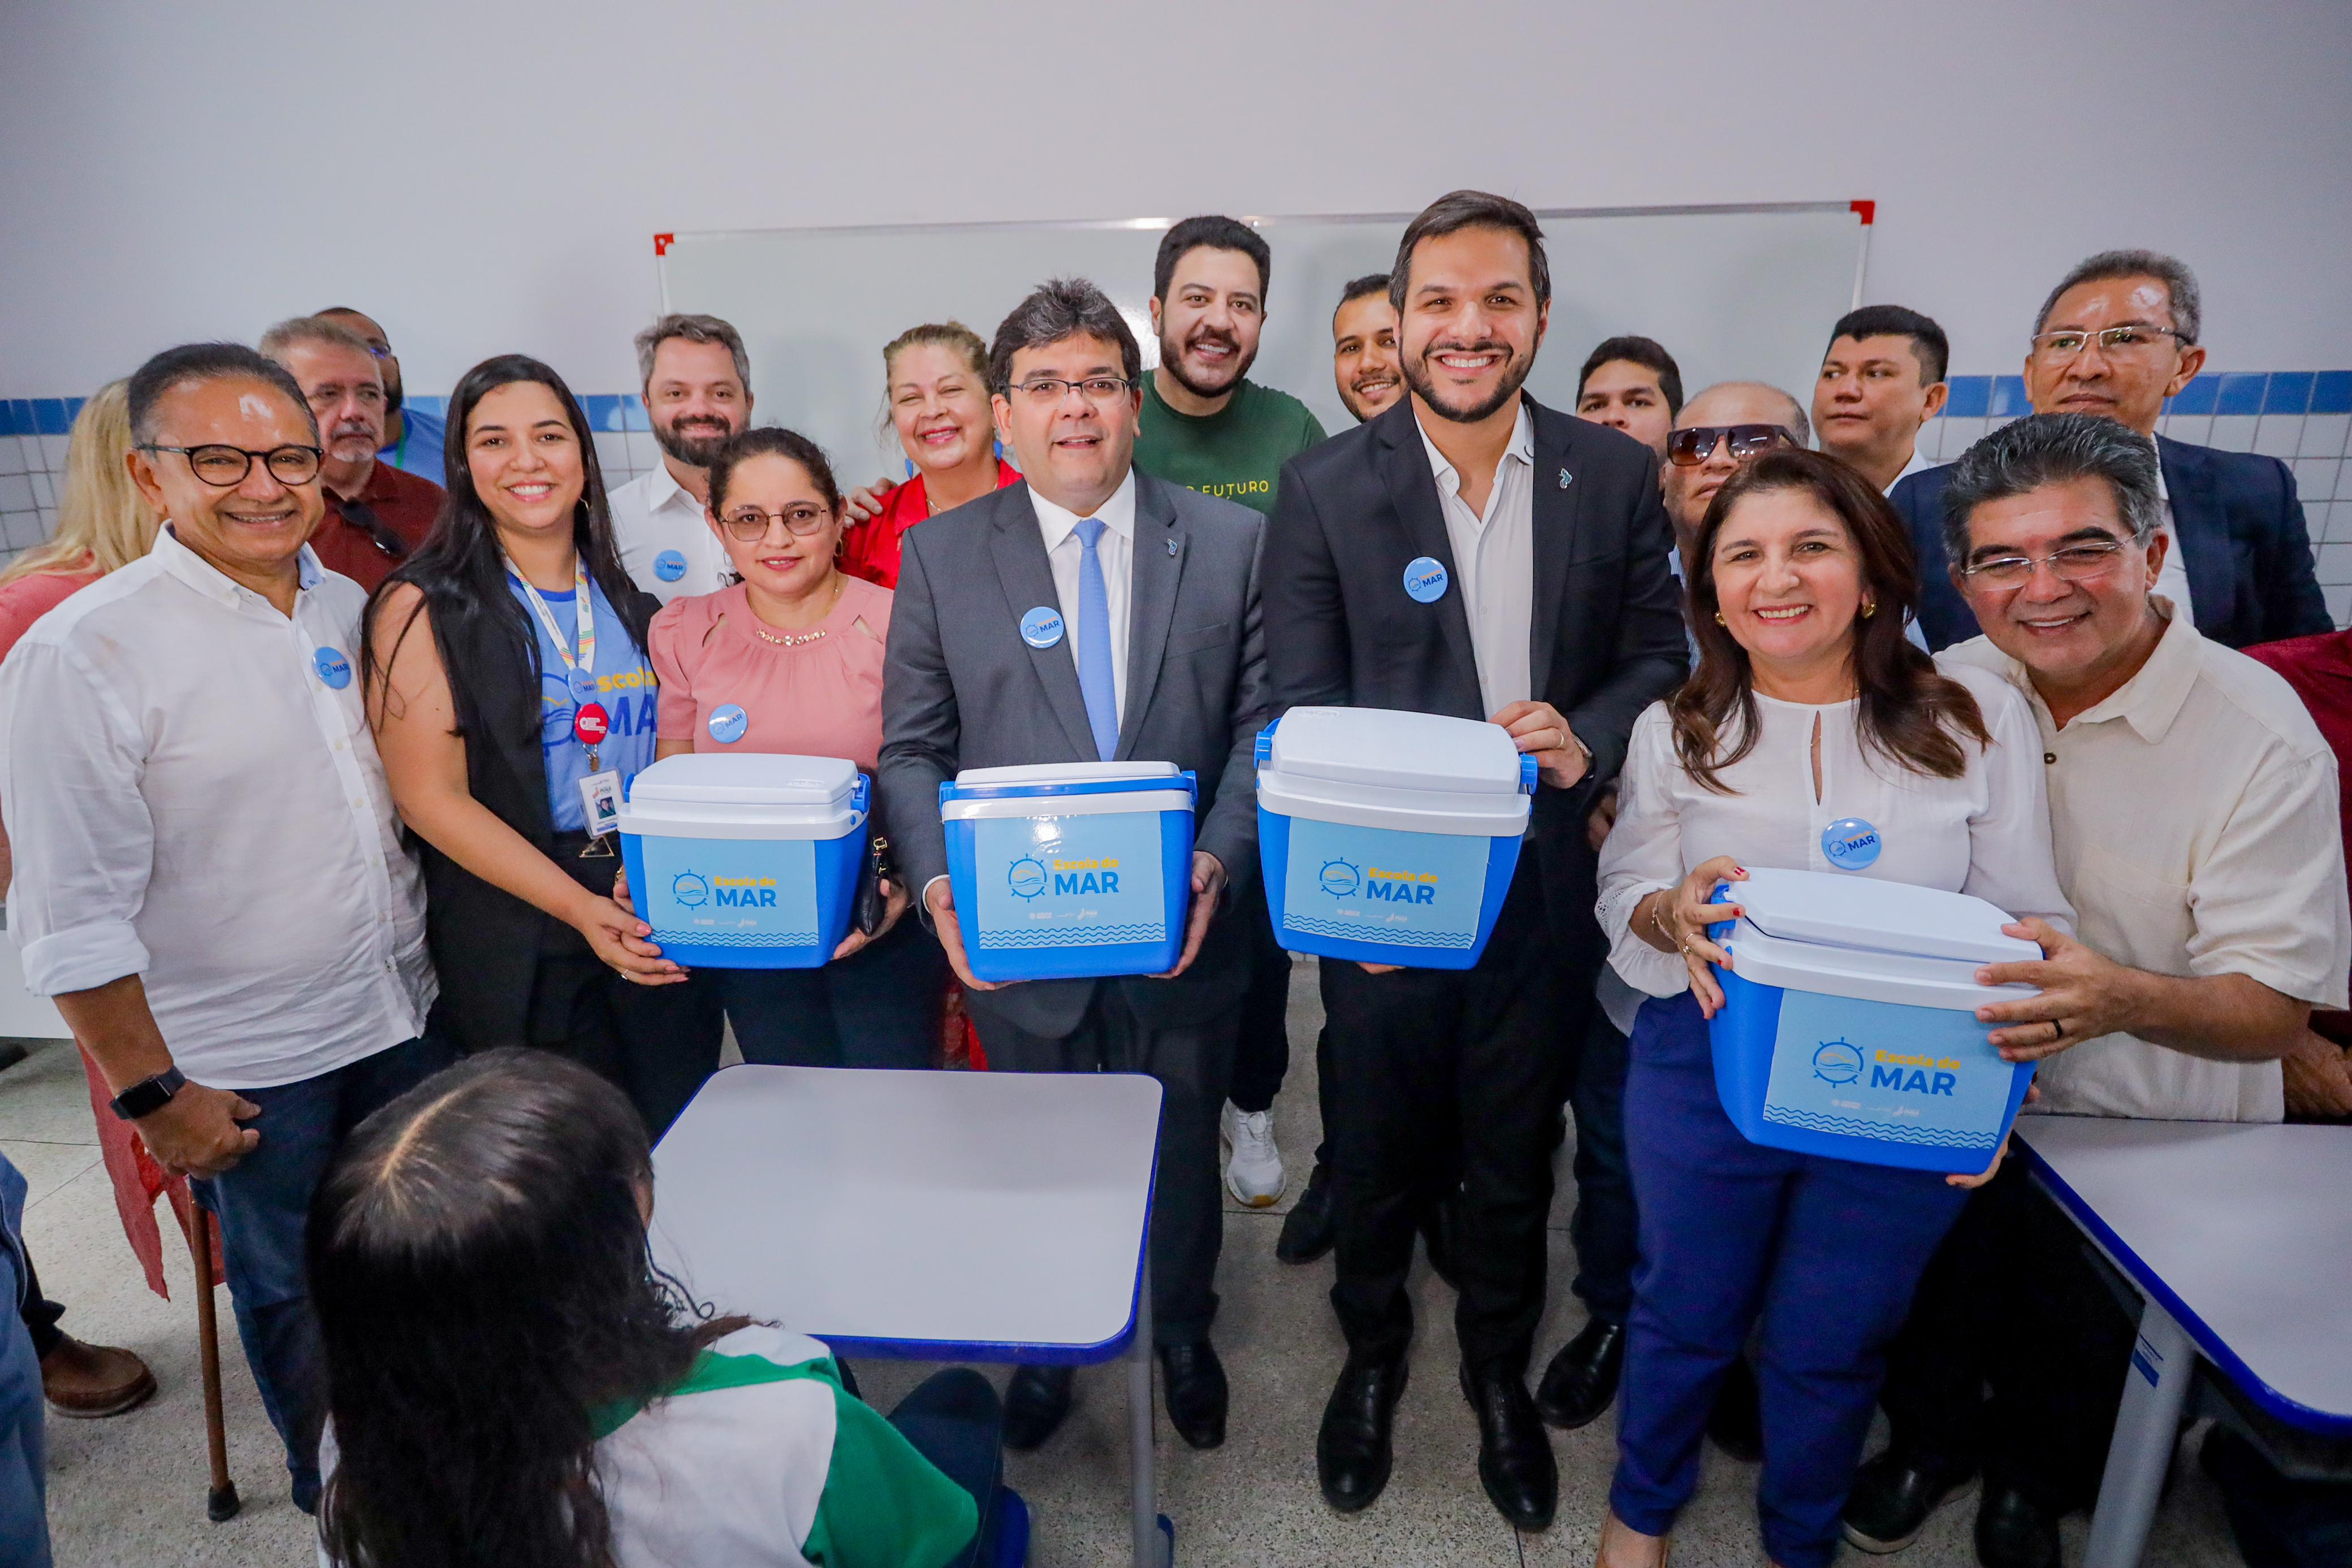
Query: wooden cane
point(221, 1503)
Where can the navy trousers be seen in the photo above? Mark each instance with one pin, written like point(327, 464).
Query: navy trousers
point(1819, 1255)
point(1603, 1229)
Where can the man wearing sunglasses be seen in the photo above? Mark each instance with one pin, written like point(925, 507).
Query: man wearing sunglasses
point(210, 880)
point(2194, 808)
point(376, 513)
point(1715, 431)
point(2116, 339)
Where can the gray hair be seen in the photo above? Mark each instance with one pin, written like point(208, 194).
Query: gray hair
point(1796, 425)
point(2180, 286)
point(694, 330)
point(2044, 449)
point(1062, 307)
point(312, 330)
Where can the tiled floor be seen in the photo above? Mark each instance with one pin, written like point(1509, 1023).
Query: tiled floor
point(131, 1489)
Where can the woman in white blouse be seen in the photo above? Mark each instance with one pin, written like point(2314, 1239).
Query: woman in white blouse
point(1807, 708)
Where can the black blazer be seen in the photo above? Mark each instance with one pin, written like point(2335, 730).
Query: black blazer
point(2240, 532)
point(1607, 636)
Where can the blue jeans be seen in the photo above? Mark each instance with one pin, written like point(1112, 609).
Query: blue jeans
point(263, 1204)
point(877, 1007)
point(1822, 1254)
point(24, 1497)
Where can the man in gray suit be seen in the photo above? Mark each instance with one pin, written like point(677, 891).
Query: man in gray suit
point(1164, 661)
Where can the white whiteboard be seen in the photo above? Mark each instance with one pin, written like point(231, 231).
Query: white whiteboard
point(1744, 293)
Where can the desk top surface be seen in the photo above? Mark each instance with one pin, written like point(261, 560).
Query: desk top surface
point(941, 1215)
point(2243, 1232)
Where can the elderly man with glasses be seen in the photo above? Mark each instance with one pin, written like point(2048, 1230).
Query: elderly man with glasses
point(2115, 338)
point(2193, 805)
point(376, 513)
point(210, 880)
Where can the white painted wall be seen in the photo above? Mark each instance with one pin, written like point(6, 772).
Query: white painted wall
point(484, 175)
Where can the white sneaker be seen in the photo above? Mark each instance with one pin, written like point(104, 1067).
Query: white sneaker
point(1254, 1174)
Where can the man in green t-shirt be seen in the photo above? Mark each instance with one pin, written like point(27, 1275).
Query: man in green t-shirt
point(1208, 428)
point(1205, 426)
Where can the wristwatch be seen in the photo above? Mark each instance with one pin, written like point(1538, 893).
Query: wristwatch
point(148, 1094)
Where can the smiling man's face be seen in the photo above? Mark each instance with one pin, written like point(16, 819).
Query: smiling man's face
point(2070, 634)
point(1471, 321)
point(1074, 449)
point(2127, 382)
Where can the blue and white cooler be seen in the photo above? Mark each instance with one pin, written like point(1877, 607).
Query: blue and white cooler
point(1388, 837)
point(1849, 1022)
point(746, 862)
point(1070, 871)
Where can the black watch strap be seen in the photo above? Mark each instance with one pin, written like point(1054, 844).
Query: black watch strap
point(148, 1094)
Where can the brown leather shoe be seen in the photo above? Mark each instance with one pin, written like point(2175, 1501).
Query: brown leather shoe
point(90, 1380)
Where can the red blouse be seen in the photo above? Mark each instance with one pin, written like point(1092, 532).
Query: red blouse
point(870, 549)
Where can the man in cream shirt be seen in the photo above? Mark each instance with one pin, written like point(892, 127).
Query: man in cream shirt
point(2193, 812)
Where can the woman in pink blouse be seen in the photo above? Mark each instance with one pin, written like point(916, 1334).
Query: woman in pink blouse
point(796, 643)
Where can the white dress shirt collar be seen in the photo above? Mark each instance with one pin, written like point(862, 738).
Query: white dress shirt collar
point(210, 581)
point(1117, 513)
point(1522, 449)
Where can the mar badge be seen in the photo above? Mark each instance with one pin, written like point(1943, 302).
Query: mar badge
point(333, 668)
point(1850, 844)
point(1042, 627)
point(1424, 580)
point(669, 566)
point(728, 723)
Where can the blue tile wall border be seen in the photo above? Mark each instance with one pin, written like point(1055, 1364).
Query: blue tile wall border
point(1972, 397)
point(2198, 397)
point(2331, 392)
point(2290, 392)
point(2242, 393)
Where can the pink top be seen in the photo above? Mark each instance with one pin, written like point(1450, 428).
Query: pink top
point(819, 698)
point(30, 596)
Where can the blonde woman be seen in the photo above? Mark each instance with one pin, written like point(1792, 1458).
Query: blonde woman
point(935, 391)
point(101, 524)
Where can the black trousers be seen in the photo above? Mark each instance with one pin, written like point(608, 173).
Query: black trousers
point(1262, 1054)
point(1194, 1065)
point(1416, 1055)
point(1606, 1223)
point(2016, 1351)
point(656, 1043)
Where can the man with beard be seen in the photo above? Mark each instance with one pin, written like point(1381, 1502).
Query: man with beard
point(376, 513)
point(412, 439)
point(1209, 428)
point(1364, 347)
point(698, 389)
point(1555, 618)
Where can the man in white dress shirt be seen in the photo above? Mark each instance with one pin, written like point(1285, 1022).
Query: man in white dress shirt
point(1882, 380)
point(210, 880)
point(697, 380)
point(2193, 810)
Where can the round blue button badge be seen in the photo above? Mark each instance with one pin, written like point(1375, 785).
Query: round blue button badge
point(728, 723)
point(1849, 843)
point(332, 667)
point(669, 566)
point(1424, 580)
point(1042, 627)
point(583, 684)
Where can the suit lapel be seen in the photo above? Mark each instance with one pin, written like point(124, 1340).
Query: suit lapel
point(2198, 530)
point(1151, 601)
point(1412, 490)
point(1028, 581)
point(1555, 512)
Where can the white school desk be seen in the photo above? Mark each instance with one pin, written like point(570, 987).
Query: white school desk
point(2239, 1239)
point(927, 1215)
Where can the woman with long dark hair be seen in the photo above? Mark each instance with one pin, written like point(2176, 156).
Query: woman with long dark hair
point(1808, 709)
point(512, 1384)
point(512, 700)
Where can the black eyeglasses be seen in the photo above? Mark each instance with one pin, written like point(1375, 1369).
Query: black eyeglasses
point(1047, 390)
point(1689, 448)
point(224, 467)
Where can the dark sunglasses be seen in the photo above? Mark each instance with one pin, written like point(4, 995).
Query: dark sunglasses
point(1689, 448)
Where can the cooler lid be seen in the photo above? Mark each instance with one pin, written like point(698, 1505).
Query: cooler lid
point(1029, 774)
point(743, 778)
point(1836, 909)
point(1384, 748)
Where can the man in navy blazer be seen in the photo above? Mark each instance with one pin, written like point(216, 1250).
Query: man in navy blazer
point(2115, 338)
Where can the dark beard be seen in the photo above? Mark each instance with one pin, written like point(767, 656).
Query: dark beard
point(1514, 376)
point(694, 451)
point(1172, 360)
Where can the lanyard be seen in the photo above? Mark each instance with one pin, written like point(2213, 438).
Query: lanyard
point(583, 614)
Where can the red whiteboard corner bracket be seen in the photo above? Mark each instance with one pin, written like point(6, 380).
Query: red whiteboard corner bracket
point(1866, 211)
point(663, 242)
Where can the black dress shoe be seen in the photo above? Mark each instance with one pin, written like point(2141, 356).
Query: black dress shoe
point(1034, 1403)
point(1581, 1381)
point(1737, 1421)
point(1891, 1497)
point(1310, 1228)
point(1514, 1459)
point(1196, 1392)
point(2015, 1532)
point(1351, 1450)
point(1438, 1230)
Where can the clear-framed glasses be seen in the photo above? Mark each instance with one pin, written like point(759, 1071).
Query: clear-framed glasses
point(2130, 340)
point(224, 467)
point(2073, 563)
point(1046, 390)
point(1689, 447)
point(749, 525)
point(370, 395)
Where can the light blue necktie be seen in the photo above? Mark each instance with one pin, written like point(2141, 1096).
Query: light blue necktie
point(1095, 678)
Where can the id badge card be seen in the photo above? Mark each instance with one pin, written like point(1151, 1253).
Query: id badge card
point(600, 802)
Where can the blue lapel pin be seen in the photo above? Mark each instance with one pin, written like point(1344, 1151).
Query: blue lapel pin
point(1564, 478)
point(1171, 546)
